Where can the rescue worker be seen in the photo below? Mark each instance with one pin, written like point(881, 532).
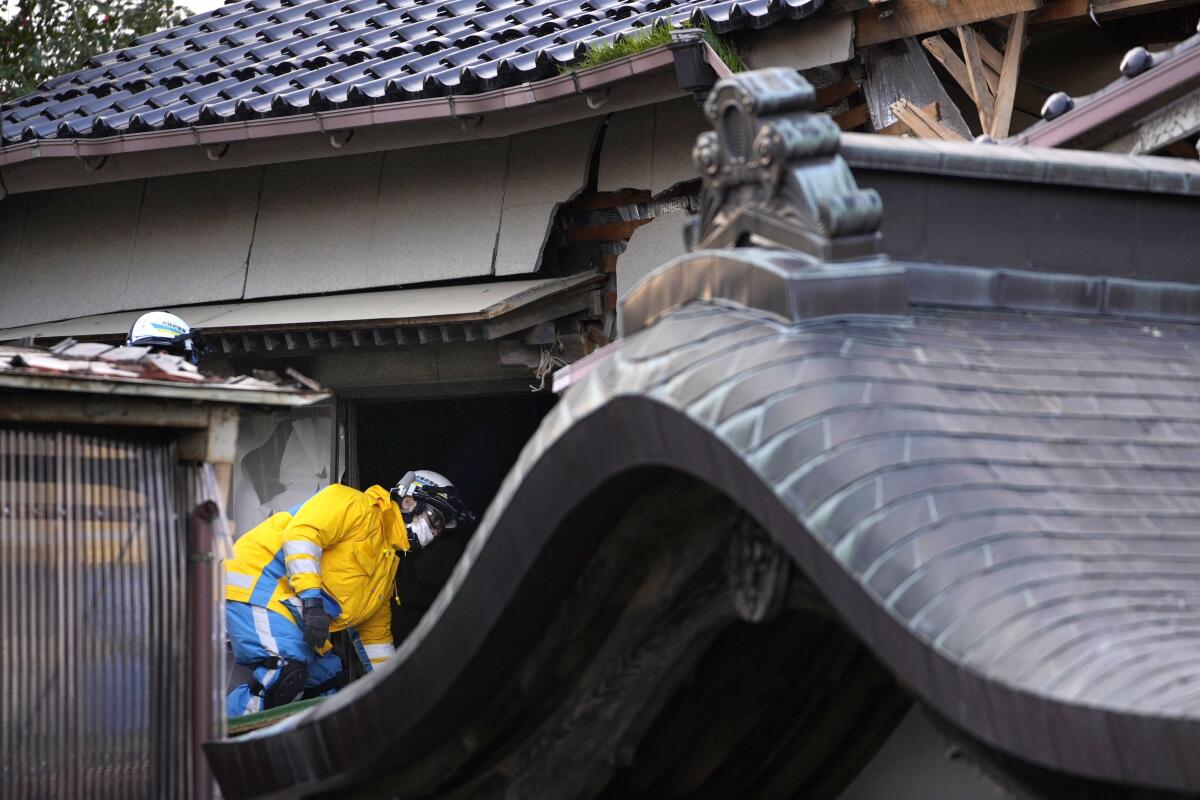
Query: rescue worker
point(328, 564)
point(168, 333)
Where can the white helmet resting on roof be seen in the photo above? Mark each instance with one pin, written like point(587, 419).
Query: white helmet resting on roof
point(429, 503)
point(165, 331)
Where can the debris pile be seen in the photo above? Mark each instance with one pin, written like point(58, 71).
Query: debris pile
point(95, 360)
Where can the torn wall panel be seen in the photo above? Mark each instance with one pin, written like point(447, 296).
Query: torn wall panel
point(650, 247)
point(545, 168)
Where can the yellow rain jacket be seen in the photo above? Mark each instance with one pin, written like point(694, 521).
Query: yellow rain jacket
point(340, 545)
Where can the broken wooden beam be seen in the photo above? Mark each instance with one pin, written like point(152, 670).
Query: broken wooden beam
point(916, 17)
point(901, 128)
point(1030, 96)
point(1006, 95)
point(923, 124)
point(980, 93)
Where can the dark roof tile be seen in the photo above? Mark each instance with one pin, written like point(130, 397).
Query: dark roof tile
point(259, 58)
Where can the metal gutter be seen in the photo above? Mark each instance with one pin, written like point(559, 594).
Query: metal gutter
point(462, 107)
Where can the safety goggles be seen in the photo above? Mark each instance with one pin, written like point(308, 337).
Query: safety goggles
point(437, 520)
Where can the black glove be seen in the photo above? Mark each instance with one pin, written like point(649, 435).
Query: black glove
point(316, 622)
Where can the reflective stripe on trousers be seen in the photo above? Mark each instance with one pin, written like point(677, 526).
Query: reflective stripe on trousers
point(261, 637)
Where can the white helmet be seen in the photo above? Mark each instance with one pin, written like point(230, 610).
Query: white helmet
point(165, 331)
point(429, 503)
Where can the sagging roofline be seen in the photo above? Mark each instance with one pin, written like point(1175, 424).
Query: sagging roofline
point(628, 82)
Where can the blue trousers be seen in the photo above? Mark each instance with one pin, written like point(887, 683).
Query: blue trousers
point(259, 635)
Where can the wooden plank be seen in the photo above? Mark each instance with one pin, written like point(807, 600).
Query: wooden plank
point(980, 92)
point(1006, 96)
point(1060, 11)
point(923, 124)
point(900, 127)
point(942, 53)
point(853, 118)
point(916, 17)
point(1029, 95)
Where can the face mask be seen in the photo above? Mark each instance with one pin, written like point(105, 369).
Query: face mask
point(420, 527)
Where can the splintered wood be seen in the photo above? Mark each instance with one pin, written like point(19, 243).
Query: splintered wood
point(980, 93)
point(1006, 95)
point(922, 122)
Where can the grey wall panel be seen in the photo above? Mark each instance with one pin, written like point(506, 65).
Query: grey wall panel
point(814, 42)
point(676, 126)
point(75, 253)
point(439, 208)
point(193, 238)
point(545, 168)
point(328, 225)
point(651, 147)
point(315, 221)
point(12, 222)
point(627, 157)
point(651, 246)
point(380, 219)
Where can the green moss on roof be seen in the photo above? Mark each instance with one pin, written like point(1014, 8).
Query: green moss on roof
point(652, 37)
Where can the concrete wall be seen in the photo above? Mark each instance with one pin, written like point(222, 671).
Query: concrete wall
point(337, 224)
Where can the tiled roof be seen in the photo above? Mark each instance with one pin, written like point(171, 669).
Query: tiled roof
point(1147, 81)
point(267, 58)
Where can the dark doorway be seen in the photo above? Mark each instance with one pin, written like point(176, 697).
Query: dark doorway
point(473, 441)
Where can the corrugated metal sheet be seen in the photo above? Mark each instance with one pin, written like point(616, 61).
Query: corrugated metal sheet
point(94, 688)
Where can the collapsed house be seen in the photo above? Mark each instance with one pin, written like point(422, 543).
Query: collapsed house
point(429, 208)
point(831, 478)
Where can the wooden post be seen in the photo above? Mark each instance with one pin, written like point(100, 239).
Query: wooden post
point(1006, 95)
point(980, 92)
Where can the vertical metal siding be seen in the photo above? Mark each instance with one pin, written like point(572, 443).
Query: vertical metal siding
point(94, 670)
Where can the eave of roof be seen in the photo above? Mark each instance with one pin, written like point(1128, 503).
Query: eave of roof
point(338, 66)
point(1163, 77)
point(437, 305)
point(464, 108)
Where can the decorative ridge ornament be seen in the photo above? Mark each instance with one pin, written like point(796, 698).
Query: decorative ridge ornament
point(773, 175)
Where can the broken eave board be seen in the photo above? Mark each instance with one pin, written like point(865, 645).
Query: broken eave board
point(416, 307)
point(163, 390)
point(916, 17)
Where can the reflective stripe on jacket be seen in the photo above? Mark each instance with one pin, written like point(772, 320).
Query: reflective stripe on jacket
point(340, 544)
